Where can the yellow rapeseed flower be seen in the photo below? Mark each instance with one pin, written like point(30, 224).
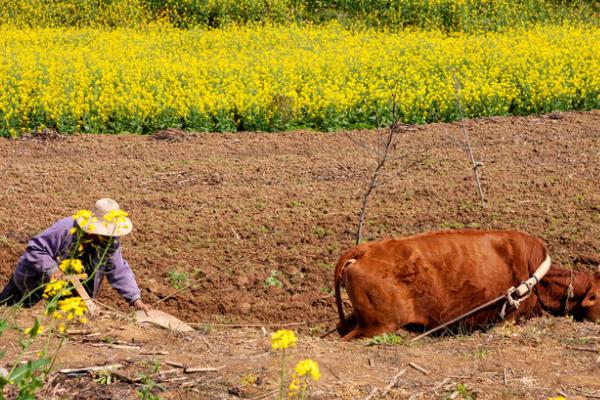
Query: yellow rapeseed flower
point(322, 77)
point(72, 307)
point(115, 216)
point(71, 266)
point(308, 367)
point(294, 387)
point(82, 214)
point(283, 338)
point(56, 287)
point(30, 331)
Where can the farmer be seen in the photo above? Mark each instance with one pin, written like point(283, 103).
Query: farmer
point(96, 235)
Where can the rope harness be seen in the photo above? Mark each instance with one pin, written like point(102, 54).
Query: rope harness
point(570, 293)
point(511, 301)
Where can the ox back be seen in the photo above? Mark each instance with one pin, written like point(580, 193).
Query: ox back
point(419, 282)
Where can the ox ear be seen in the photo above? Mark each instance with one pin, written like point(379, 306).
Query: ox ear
point(590, 299)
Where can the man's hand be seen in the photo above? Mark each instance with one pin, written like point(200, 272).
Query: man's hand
point(139, 304)
point(57, 275)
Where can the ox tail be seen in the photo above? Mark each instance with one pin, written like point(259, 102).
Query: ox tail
point(346, 260)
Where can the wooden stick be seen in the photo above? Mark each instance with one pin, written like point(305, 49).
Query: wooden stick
point(88, 369)
point(154, 353)
point(372, 394)
point(167, 371)
point(115, 346)
point(393, 382)
point(418, 368)
point(174, 364)
point(201, 369)
point(583, 349)
point(78, 331)
point(74, 279)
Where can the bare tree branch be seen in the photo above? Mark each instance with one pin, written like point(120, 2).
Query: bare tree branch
point(386, 146)
point(475, 164)
point(362, 144)
point(373, 183)
point(405, 170)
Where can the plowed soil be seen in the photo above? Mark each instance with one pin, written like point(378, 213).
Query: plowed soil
point(279, 209)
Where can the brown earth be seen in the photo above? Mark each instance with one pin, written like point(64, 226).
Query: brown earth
point(289, 203)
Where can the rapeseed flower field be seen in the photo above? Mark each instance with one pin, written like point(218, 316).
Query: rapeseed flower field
point(275, 77)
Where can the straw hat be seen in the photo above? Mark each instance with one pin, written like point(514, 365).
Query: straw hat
point(98, 225)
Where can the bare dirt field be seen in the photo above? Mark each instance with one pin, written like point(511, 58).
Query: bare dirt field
point(280, 209)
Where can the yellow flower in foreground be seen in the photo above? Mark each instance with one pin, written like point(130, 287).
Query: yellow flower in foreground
point(73, 306)
point(308, 367)
point(83, 214)
point(72, 231)
point(115, 216)
point(32, 332)
point(283, 338)
point(71, 266)
point(294, 387)
point(56, 287)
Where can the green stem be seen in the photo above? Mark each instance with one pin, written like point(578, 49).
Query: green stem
point(304, 387)
point(101, 261)
point(24, 348)
point(282, 377)
point(62, 340)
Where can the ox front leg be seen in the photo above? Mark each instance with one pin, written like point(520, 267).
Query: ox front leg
point(354, 334)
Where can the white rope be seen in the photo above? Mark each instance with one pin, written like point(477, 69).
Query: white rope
point(570, 292)
point(511, 301)
point(525, 287)
point(523, 291)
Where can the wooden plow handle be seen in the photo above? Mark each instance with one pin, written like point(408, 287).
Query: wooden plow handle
point(76, 281)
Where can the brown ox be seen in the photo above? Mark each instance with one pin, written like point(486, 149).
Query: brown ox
point(419, 282)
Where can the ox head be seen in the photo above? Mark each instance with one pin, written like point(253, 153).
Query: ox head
point(591, 301)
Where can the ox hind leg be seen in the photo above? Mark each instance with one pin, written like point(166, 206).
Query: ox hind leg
point(369, 331)
point(379, 305)
point(348, 325)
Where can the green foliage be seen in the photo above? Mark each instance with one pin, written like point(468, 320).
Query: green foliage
point(452, 225)
point(177, 279)
point(104, 377)
point(272, 280)
point(321, 232)
point(145, 392)
point(444, 15)
point(28, 378)
point(480, 353)
point(326, 290)
point(386, 338)
point(462, 392)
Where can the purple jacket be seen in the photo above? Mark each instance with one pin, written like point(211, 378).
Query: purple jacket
point(39, 262)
